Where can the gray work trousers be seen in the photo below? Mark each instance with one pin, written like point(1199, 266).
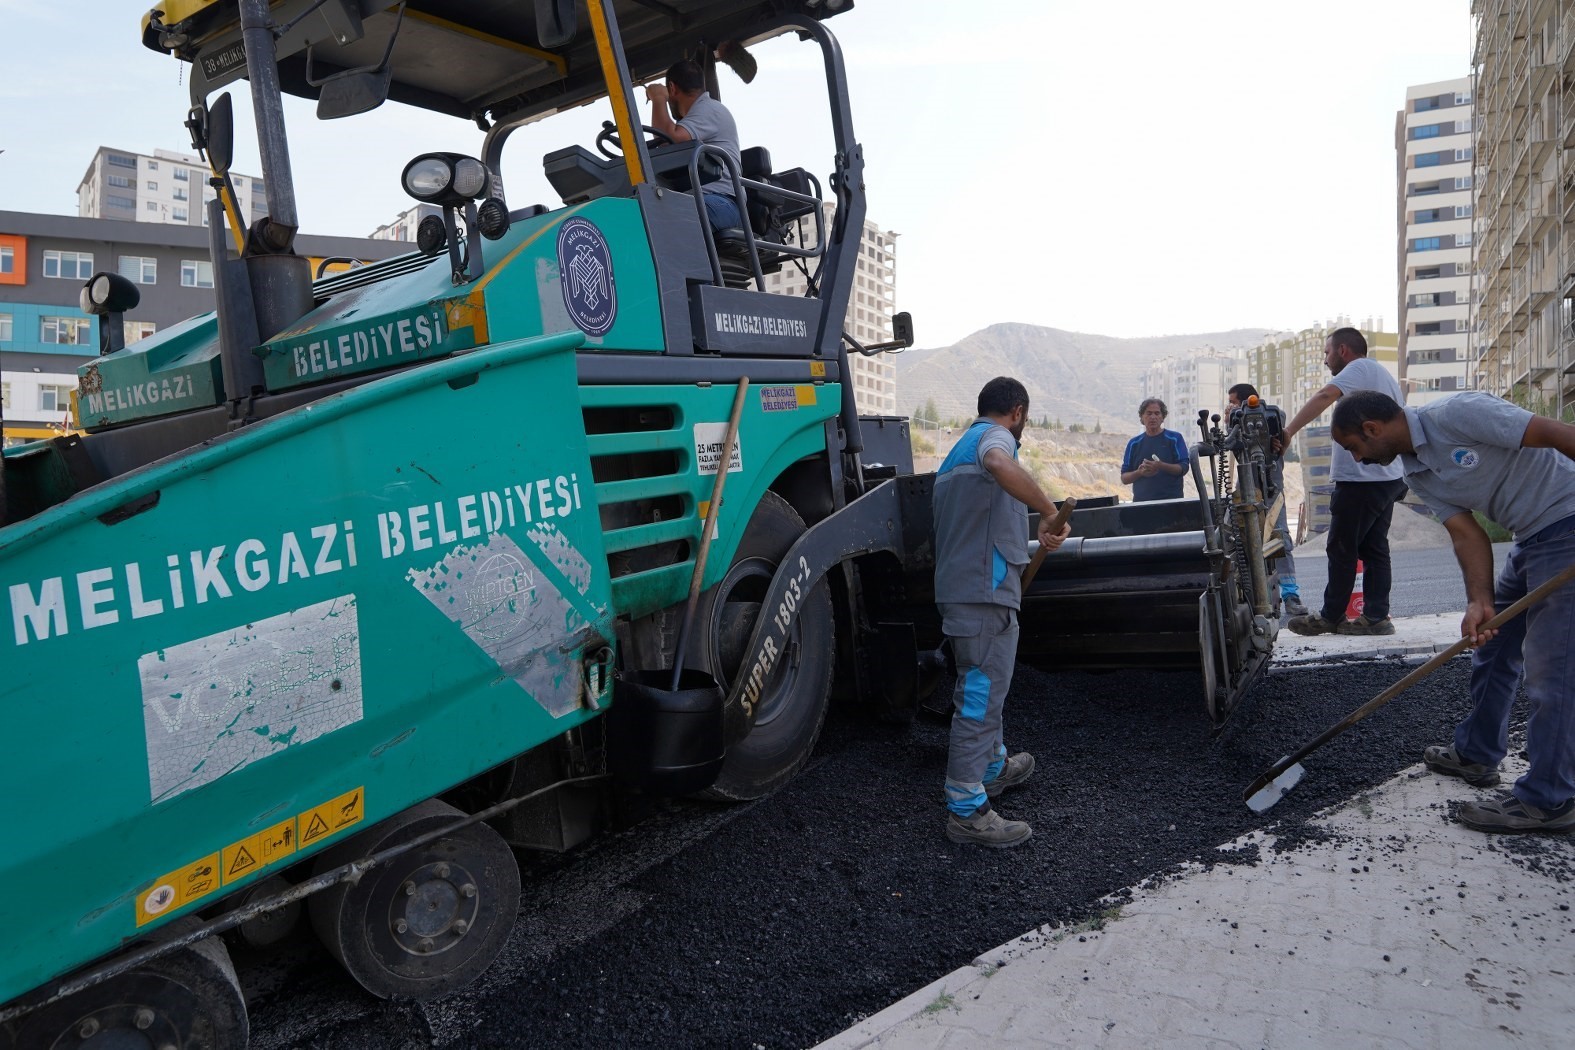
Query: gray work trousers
point(984, 643)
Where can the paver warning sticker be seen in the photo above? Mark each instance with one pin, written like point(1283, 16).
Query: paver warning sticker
point(178, 888)
point(330, 818)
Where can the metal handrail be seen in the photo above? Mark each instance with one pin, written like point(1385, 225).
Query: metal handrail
point(764, 189)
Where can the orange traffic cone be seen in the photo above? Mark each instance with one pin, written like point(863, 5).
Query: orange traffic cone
point(1353, 608)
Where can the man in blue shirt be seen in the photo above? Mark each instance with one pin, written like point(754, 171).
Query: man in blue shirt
point(1156, 459)
point(1473, 451)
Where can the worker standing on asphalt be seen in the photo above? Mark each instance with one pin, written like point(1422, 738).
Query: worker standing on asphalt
point(1473, 451)
point(981, 502)
point(1363, 504)
point(1290, 592)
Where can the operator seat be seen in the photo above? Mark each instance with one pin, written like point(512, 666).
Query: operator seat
point(768, 217)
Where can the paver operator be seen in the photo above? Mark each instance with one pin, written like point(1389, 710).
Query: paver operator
point(701, 118)
point(981, 502)
point(1290, 590)
point(1473, 451)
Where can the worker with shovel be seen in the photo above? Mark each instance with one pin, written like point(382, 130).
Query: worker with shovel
point(981, 506)
point(1473, 451)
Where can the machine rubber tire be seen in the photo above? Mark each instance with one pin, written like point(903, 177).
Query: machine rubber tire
point(456, 898)
point(793, 703)
point(188, 998)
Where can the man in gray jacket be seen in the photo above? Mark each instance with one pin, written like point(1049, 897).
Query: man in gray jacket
point(982, 497)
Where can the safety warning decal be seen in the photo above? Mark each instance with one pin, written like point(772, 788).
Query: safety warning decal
point(331, 818)
point(709, 439)
point(247, 856)
point(817, 369)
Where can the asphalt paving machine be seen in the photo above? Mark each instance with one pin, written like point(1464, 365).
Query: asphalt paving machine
point(365, 580)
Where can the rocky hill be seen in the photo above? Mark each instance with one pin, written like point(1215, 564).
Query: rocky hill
point(1071, 376)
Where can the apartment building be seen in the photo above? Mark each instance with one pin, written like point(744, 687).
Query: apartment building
point(1523, 60)
point(161, 187)
point(1189, 382)
point(1433, 155)
point(870, 309)
point(44, 335)
point(403, 228)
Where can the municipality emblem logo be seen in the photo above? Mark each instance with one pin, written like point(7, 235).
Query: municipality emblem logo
point(586, 272)
point(1465, 458)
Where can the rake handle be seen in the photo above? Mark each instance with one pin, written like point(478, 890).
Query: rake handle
point(1525, 602)
point(1062, 514)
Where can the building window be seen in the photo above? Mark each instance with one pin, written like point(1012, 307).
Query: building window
point(7, 259)
point(1425, 244)
point(1427, 131)
point(139, 268)
point(120, 181)
point(179, 214)
point(116, 160)
point(1462, 127)
point(153, 165)
point(180, 193)
point(1427, 160)
point(135, 330)
point(152, 185)
point(1419, 189)
point(1422, 105)
point(5, 328)
point(75, 266)
point(1427, 273)
point(1430, 215)
point(196, 273)
point(1462, 98)
point(181, 174)
point(66, 331)
point(114, 200)
point(1462, 211)
point(1431, 328)
point(153, 206)
point(1463, 183)
point(53, 398)
point(1463, 154)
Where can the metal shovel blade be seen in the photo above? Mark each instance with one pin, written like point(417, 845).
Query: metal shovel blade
point(1260, 799)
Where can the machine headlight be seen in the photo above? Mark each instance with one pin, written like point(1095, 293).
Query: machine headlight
point(445, 178)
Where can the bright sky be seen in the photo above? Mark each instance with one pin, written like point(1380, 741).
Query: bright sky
point(1129, 169)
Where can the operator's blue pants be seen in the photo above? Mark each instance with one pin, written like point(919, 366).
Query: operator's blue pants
point(984, 643)
point(1542, 642)
point(723, 212)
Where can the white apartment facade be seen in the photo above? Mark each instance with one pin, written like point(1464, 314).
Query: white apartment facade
point(163, 186)
point(1523, 60)
point(1433, 153)
point(404, 227)
point(1190, 382)
point(870, 309)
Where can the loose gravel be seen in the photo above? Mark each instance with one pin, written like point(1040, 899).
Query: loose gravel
point(780, 923)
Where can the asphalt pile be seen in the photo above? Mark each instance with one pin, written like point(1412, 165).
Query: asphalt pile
point(794, 917)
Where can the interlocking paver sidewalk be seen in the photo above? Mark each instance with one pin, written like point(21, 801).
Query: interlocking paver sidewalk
point(1386, 925)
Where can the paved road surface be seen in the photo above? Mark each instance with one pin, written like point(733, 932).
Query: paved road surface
point(1425, 581)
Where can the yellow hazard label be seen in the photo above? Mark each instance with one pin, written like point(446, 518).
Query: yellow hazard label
point(178, 889)
point(330, 818)
point(817, 369)
point(242, 858)
point(246, 856)
point(806, 395)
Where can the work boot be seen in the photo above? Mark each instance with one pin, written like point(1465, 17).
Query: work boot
point(1362, 625)
point(1293, 605)
point(1310, 624)
point(1447, 760)
point(1509, 814)
point(1014, 771)
point(987, 828)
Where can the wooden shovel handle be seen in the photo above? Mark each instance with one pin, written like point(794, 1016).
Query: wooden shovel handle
point(1062, 514)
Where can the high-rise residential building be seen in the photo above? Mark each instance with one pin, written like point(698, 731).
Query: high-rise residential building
point(870, 309)
point(1523, 58)
point(163, 186)
point(1189, 382)
point(404, 227)
point(1433, 136)
point(44, 335)
point(1288, 369)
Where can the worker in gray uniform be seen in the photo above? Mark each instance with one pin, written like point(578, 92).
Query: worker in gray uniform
point(1473, 451)
point(982, 498)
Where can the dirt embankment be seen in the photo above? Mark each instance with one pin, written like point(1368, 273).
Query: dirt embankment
point(1072, 464)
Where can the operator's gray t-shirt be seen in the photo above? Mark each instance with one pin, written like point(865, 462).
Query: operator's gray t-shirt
point(710, 122)
point(1363, 374)
point(1468, 457)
